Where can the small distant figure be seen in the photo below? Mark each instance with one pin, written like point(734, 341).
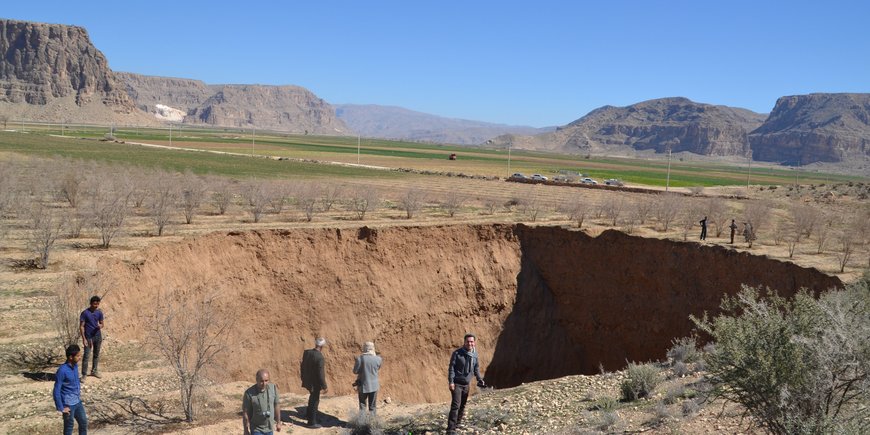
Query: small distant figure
point(704, 228)
point(260, 406)
point(68, 392)
point(366, 368)
point(463, 365)
point(314, 379)
point(733, 227)
point(748, 236)
point(91, 327)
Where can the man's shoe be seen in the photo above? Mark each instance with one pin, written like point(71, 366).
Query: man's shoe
point(96, 375)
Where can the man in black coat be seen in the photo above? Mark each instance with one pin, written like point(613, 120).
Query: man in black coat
point(463, 366)
point(314, 379)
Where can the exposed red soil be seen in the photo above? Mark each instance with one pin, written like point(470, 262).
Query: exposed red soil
point(544, 301)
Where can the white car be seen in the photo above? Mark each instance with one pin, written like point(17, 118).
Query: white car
point(539, 177)
point(588, 180)
point(519, 176)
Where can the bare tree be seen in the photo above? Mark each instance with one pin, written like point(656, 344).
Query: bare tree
point(257, 197)
point(717, 211)
point(192, 193)
point(667, 209)
point(412, 201)
point(306, 199)
point(453, 202)
point(792, 238)
point(577, 209)
point(46, 226)
point(757, 213)
point(612, 207)
point(331, 194)
point(189, 336)
point(71, 185)
point(531, 204)
point(805, 218)
point(76, 218)
point(846, 246)
point(364, 200)
point(643, 209)
point(276, 195)
point(490, 204)
point(5, 120)
point(109, 210)
point(823, 232)
point(688, 218)
point(221, 195)
point(164, 192)
point(66, 304)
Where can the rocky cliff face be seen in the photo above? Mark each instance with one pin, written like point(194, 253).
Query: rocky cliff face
point(811, 128)
point(283, 108)
point(676, 123)
point(51, 70)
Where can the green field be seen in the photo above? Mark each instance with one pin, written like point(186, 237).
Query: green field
point(395, 154)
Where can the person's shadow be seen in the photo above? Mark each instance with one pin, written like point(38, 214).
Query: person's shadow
point(297, 417)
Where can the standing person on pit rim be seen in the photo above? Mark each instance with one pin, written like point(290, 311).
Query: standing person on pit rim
point(314, 379)
point(91, 327)
point(463, 365)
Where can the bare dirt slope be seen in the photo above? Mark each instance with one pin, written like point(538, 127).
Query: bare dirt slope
point(545, 302)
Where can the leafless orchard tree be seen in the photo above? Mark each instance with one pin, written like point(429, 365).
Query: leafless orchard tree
point(164, 195)
point(46, 225)
point(189, 336)
point(453, 202)
point(332, 192)
point(757, 213)
point(109, 210)
point(805, 218)
point(307, 196)
point(276, 193)
point(66, 304)
point(222, 194)
point(716, 211)
point(792, 237)
point(576, 208)
point(823, 231)
point(845, 247)
point(76, 219)
point(138, 184)
point(5, 120)
point(612, 207)
point(257, 198)
point(412, 201)
point(667, 209)
point(71, 185)
point(364, 200)
point(642, 209)
point(690, 215)
point(489, 205)
point(192, 194)
point(531, 204)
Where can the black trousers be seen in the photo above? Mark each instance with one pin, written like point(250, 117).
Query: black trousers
point(457, 406)
point(313, 403)
point(371, 398)
point(96, 344)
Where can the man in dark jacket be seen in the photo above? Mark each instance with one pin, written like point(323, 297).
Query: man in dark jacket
point(313, 379)
point(463, 365)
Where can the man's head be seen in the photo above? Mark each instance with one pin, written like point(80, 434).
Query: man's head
point(73, 353)
point(470, 342)
point(95, 302)
point(319, 342)
point(262, 379)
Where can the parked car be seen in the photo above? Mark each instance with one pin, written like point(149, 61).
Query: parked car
point(539, 177)
point(519, 176)
point(613, 182)
point(588, 180)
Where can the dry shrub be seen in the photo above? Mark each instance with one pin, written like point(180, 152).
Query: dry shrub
point(641, 380)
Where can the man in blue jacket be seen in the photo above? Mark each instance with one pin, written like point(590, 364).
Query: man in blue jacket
point(463, 365)
point(68, 392)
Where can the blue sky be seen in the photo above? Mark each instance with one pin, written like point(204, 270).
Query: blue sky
point(535, 63)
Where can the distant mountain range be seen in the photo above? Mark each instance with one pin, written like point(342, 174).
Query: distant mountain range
point(390, 122)
point(52, 72)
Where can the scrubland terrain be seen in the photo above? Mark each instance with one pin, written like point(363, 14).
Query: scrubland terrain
point(411, 261)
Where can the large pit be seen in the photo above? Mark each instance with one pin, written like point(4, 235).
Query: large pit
point(544, 301)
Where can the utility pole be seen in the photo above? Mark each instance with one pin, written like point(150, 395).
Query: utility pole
point(668, 181)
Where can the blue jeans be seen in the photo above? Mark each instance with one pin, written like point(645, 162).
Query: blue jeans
point(261, 433)
point(97, 342)
point(77, 413)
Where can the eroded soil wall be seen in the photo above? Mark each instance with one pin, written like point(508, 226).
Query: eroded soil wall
point(544, 301)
